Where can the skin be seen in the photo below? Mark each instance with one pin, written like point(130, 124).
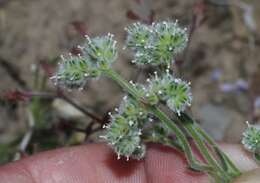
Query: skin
point(96, 163)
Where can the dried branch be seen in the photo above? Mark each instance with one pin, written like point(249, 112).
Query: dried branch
point(13, 73)
point(68, 100)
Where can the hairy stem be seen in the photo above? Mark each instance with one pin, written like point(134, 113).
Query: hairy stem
point(230, 165)
point(204, 151)
point(214, 168)
point(194, 164)
point(122, 82)
point(182, 138)
point(193, 128)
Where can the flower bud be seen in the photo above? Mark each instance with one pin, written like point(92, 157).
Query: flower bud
point(72, 72)
point(178, 95)
point(157, 44)
point(175, 92)
point(152, 98)
point(124, 131)
point(138, 36)
point(100, 51)
point(98, 54)
point(169, 40)
point(251, 138)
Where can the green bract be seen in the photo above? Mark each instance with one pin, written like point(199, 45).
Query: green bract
point(125, 130)
point(98, 54)
point(130, 109)
point(178, 95)
point(175, 92)
point(73, 72)
point(100, 51)
point(138, 36)
point(156, 44)
point(123, 135)
point(251, 139)
point(169, 40)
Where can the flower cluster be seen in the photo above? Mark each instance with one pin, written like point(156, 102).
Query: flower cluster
point(138, 36)
point(251, 138)
point(156, 44)
point(73, 72)
point(158, 133)
point(140, 118)
point(125, 129)
point(97, 54)
point(100, 51)
point(175, 92)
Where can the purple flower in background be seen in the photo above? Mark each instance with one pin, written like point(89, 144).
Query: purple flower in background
point(241, 85)
point(216, 74)
point(257, 102)
point(227, 87)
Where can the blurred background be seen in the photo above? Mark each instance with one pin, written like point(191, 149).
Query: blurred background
point(222, 61)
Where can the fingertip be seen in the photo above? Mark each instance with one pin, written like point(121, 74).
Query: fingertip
point(98, 163)
point(15, 173)
point(87, 163)
point(164, 164)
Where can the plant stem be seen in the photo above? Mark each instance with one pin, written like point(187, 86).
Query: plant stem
point(213, 168)
point(194, 164)
point(182, 138)
point(122, 82)
point(211, 142)
point(204, 151)
point(193, 127)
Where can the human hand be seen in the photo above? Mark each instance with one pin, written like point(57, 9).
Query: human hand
point(96, 163)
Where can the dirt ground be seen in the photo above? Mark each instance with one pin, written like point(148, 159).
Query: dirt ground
point(221, 53)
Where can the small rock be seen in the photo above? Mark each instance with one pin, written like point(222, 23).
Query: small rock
point(66, 110)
